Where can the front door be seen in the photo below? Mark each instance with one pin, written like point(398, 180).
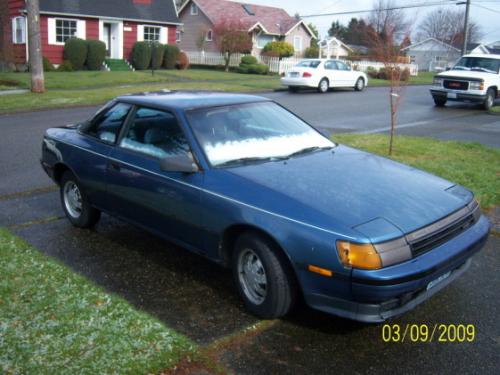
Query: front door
point(107, 38)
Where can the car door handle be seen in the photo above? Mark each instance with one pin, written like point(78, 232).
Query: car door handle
point(115, 166)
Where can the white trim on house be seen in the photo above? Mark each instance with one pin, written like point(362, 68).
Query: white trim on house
point(140, 33)
point(116, 48)
point(81, 29)
point(306, 27)
point(164, 35)
point(262, 28)
point(110, 18)
point(297, 43)
point(430, 39)
point(209, 36)
point(193, 9)
point(23, 30)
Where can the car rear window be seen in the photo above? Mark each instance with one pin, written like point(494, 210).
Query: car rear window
point(309, 64)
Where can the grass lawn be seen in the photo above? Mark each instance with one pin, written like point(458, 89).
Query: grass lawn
point(495, 109)
point(423, 78)
point(472, 165)
point(54, 321)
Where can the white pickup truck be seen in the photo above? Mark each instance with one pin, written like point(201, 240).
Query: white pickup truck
point(474, 78)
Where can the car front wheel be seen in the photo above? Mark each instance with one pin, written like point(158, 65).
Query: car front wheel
point(490, 99)
point(263, 277)
point(360, 84)
point(75, 203)
point(323, 85)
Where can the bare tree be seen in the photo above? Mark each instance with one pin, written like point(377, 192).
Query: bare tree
point(386, 19)
point(35, 47)
point(446, 25)
point(386, 50)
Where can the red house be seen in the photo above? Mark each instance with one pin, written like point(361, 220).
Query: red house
point(118, 23)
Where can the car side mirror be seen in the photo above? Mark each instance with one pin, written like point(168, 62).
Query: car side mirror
point(183, 163)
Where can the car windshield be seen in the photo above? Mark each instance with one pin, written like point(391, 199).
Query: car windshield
point(254, 132)
point(480, 64)
point(308, 64)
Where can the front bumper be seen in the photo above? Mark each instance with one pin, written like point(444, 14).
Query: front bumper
point(460, 96)
point(389, 292)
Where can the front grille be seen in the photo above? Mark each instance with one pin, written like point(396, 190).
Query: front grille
point(427, 243)
point(455, 85)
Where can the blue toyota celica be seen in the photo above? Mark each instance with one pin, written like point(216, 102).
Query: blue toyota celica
point(246, 183)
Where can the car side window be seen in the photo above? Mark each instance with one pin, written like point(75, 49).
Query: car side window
point(330, 65)
point(342, 66)
point(155, 133)
point(106, 125)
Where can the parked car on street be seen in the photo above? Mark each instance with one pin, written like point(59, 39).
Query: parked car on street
point(474, 78)
point(324, 74)
point(246, 183)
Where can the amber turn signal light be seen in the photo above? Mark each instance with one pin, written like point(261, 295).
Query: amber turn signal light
point(321, 271)
point(355, 255)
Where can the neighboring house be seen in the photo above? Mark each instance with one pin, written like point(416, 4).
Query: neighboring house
point(265, 24)
point(359, 49)
point(333, 47)
point(490, 49)
point(118, 23)
point(432, 54)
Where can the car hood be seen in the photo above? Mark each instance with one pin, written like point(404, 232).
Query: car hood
point(463, 74)
point(344, 188)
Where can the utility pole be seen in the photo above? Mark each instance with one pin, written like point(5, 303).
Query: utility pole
point(35, 47)
point(466, 27)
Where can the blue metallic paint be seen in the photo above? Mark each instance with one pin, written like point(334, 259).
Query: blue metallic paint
point(305, 204)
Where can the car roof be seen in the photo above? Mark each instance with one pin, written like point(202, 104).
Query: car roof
point(188, 100)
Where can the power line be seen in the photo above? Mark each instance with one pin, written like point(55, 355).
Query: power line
point(371, 10)
point(483, 7)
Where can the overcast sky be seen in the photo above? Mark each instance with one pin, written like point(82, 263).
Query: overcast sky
point(489, 21)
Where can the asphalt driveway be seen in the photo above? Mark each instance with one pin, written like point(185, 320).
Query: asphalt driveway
point(197, 298)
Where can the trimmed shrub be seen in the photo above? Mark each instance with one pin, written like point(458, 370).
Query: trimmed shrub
point(249, 60)
point(66, 66)
point(311, 52)
point(96, 54)
point(387, 73)
point(141, 55)
point(47, 65)
point(157, 52)
point(183, 62)
point(75, 51)
point(283, 49)
point(372, 72)
point(171, 56)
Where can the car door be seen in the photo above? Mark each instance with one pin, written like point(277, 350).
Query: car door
point(167, 203)
point(94, 143)
point(347, 76)
point(331, 72)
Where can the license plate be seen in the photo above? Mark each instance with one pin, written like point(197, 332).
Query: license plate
point(433, 283)
point(294, 74)
point(452, 95)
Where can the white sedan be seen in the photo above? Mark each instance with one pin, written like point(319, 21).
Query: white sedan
point(324, 74)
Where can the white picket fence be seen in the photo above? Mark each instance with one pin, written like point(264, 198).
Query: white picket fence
point(281, 66)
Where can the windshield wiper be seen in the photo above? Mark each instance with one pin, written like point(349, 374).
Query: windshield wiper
point(308, 150)
point(459, 67)
point(478, 69)
point(248, 160)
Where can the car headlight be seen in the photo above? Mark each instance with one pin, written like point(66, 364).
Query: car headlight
point(476, 85)
point(437, 81)
point(359, 255)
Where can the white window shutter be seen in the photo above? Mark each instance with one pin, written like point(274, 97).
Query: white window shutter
point(51, 30)
point(140, 33)
point(81, 29)
point(164, 35)
point(14, 41)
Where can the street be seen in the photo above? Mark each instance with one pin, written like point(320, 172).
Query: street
point(198, 299)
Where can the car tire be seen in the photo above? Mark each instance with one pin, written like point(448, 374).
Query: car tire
point(323, 85)
point(490, 99)
point(263, 276)
point(439, 102)
point(75, 203)
point(360, 84)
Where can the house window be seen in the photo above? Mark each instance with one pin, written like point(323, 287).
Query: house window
point(210, 36)
point(178, 36)
point(19, 30)
point(413, 59)
point(262, 40)
point(65, 29)
point(152, 34)
point(194, 9)
point(297, 43)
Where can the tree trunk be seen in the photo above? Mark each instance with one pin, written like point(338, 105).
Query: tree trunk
point(227, 58)
point(35, 47)
point(393, 120)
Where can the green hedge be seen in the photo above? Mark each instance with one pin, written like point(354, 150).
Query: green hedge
point(249, 60)
point(157, 53)
point(171, 56)
point(141, 55)
point(66, 66)
point(96, 54)
point(311, 52)
point(283, 49)
point(47, 65)
point(250, 65)
point(75, 51)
